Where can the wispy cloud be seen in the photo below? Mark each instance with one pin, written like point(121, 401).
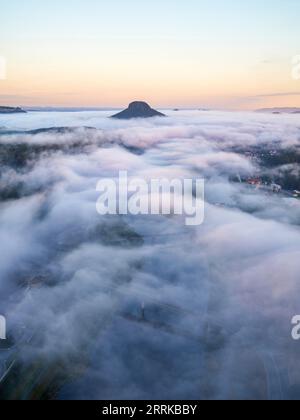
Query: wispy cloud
point(277, 94)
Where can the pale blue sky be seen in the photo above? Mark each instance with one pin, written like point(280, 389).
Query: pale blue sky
point(187, 38)
point(253, 21)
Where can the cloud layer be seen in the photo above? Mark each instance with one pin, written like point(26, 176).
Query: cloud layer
point(144, 307)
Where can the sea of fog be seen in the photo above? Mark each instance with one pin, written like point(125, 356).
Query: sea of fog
point(144, 307)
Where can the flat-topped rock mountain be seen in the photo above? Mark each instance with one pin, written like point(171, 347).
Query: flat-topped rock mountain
point(138, 110)
point(11, 110)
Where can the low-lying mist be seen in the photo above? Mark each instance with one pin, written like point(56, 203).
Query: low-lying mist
point(144, 307)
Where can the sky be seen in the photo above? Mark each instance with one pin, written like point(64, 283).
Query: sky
point(192, 53)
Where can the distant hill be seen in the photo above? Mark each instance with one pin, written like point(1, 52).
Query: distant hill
point(279, 110)
point(50, 130)
point(68, 109)
point(138, 110)
point(11, 110)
